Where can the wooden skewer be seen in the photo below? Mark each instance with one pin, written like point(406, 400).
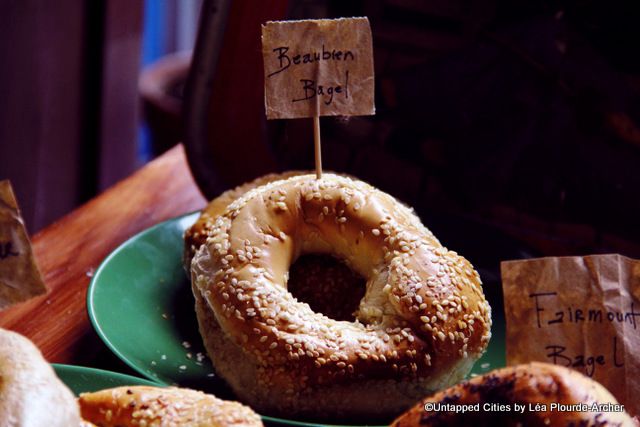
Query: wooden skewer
point(316, 143)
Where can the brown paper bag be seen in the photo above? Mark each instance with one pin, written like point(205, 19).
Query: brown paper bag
point(20, 279)
point(318, 67)
point(579, 312)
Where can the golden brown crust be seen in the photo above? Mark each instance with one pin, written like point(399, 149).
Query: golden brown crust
point(163, 407)
point(530, 384)
point(421, 323)
point(330, 286)
point(197, 234)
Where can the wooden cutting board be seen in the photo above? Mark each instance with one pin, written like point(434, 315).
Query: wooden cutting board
point(69, 251)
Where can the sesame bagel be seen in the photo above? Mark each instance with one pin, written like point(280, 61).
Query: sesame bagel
point(420, 326)
point(163, 407)
point(535, 387)
point(328, 285)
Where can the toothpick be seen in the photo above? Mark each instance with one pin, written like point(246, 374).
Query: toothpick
point(316, 143)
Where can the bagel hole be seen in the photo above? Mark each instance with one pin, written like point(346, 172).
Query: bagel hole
point(327, 284)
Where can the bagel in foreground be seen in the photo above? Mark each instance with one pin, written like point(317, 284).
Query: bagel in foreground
point(420, 326)
point(31, 395)
point(534, 383)
point(163, 407)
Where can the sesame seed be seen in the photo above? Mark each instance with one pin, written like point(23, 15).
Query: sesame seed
point(282, 317)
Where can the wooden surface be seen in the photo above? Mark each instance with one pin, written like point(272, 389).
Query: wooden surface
point(71, 249)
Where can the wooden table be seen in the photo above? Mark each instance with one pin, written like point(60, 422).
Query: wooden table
point(69, 251)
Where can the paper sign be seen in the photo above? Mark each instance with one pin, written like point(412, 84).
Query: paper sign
point(20, 279)
point(318, 67)
point(579, 312)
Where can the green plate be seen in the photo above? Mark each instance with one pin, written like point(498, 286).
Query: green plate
point(141, 305)
point(82, 380)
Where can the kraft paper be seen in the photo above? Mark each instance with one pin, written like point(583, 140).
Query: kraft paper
point(318, 67)
point(579, 312)
point(20, 279)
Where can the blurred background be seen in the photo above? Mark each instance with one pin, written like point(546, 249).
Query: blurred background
point(494, 118)
point(71, 109)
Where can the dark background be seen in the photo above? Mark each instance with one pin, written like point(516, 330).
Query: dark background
point(517, 116)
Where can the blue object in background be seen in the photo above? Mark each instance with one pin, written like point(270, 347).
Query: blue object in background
point(154, 46)
point(155, 35)
point(169, 26)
